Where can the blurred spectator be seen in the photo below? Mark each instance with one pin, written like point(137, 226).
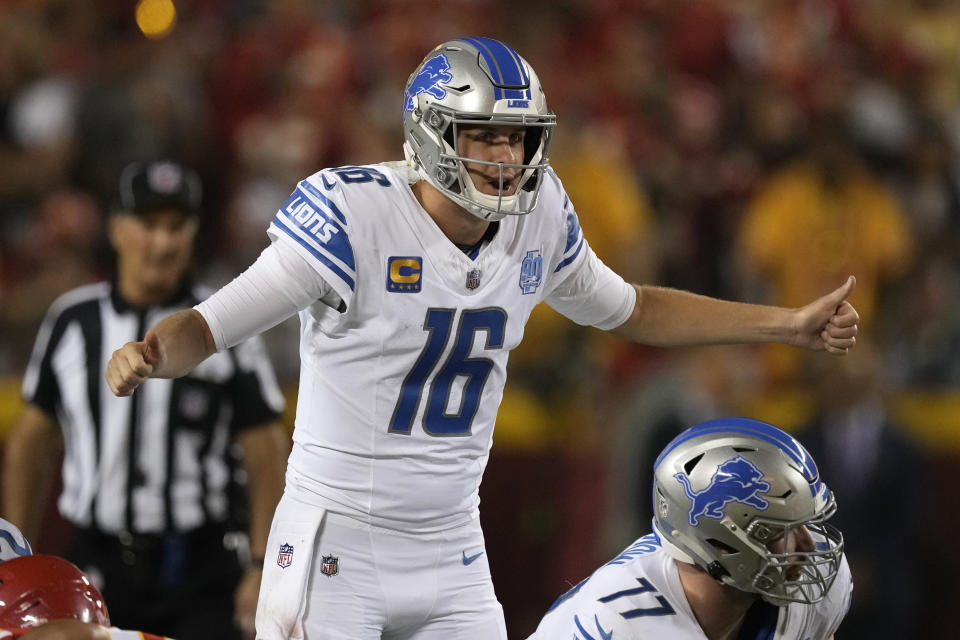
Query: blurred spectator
point(56, 249)
point(823, 215)
point(37, 102)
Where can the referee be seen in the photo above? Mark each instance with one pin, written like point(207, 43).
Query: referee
point(148, 480)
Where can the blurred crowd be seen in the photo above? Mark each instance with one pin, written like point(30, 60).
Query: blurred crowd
point(746, 149)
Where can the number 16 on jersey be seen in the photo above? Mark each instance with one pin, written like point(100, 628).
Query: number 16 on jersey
point(437, 421)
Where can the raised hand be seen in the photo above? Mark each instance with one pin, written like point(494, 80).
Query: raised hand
point(828, 323)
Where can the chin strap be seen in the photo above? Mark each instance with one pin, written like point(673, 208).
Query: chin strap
point(717, 571)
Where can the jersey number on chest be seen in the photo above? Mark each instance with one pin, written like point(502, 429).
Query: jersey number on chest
point(437, 421)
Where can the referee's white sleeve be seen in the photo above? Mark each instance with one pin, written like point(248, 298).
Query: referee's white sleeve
point(276, 286)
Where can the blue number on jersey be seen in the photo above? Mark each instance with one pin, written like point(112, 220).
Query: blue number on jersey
point(645, 587)
point(436, 420)
point(362, 174)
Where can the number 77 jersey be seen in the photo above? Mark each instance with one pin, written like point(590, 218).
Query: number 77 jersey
point(638, 596)
point(399, 388)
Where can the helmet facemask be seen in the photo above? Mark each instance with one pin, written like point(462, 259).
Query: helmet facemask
point(803, 575)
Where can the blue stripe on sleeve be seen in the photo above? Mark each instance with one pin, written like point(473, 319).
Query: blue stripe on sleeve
point(571, 258)
point(573, 228)
point(315, 252)
point(315, 220)
point(324, 200)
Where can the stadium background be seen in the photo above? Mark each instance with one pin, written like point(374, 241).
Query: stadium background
point(745, 149)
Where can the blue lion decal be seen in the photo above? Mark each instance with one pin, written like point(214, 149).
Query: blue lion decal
point(434, 71)
point(736, 480)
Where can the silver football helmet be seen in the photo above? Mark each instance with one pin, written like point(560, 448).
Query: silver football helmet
point(464, 83)
point(744, 501)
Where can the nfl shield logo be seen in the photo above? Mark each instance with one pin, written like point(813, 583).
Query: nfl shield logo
point(330, 566)
point(473, 278)
point(285, 557)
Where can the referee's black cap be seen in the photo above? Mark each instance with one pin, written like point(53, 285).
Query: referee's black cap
point(162, 184)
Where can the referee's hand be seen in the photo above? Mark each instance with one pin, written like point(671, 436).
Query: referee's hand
point(133, 363)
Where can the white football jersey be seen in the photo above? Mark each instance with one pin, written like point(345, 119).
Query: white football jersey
point(638, 596)
point(399, 388)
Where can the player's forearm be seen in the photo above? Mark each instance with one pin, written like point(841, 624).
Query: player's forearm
point(28, 469)
point(185, 342)
point(670, 318)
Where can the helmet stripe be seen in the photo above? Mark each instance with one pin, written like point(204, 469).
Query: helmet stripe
point(18, 549)
point(745, 426)
point(505, 66)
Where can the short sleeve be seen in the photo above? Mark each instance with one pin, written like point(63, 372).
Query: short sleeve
point(582, 287)
point(40, 386)
point(312, 224)
point(594, 295)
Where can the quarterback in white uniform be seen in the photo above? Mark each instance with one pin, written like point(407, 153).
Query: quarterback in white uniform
point(413, 281)
point(760, 562)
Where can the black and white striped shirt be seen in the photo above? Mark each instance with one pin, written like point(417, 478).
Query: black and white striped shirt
point(157, 461)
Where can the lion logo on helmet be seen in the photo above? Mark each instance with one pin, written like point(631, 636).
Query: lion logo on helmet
point(736, 480)
point(434, 71)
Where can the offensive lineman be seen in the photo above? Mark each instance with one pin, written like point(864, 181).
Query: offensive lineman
point(740, 549)
point(410, 298)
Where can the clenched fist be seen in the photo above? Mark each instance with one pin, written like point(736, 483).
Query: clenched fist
point(133, 363)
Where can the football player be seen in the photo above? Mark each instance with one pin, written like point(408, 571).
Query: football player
point(413, 281)
point(740, 548)
point(44, 597)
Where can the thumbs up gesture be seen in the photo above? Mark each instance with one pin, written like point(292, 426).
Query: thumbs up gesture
point(133, 363)
point(828, 323)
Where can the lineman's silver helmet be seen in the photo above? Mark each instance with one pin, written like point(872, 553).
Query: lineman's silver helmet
point(726, 491)
point(462, 83)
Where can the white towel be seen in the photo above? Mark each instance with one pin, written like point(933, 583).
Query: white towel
point(286, 569)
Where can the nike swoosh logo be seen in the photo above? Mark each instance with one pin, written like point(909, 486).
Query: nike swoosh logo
point(469, 559)
point(327, 184)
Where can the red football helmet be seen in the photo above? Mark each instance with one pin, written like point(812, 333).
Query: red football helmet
point(39, 588)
